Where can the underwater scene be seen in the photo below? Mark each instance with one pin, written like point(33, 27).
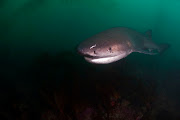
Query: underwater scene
point(89, 60)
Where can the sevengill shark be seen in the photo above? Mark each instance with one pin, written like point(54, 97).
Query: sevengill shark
point(116, 43)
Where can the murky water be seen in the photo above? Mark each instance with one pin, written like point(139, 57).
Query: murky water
point(38, 40)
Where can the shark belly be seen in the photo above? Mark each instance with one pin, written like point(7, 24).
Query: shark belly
point(106, 60)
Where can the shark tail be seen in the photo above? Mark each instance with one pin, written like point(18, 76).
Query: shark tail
point(163, 48)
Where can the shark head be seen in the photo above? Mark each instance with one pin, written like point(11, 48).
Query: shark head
point(101, 51)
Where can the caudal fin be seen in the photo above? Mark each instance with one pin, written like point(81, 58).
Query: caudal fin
point(163, 47)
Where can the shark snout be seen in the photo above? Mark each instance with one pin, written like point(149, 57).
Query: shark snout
point(80, 50)
point(84, 52)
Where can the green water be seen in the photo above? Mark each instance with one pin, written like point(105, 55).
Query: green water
point(30, 28)
point(33, 26)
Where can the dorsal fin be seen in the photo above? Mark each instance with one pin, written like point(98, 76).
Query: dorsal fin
point(148, 33)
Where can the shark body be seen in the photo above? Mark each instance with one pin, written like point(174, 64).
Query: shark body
point(116, 43)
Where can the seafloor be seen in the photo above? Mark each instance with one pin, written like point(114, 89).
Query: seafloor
point(65, 87)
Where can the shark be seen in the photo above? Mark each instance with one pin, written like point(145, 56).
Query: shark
point(117, 43)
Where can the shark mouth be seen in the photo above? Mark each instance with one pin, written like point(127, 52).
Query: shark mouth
point(104, 60)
